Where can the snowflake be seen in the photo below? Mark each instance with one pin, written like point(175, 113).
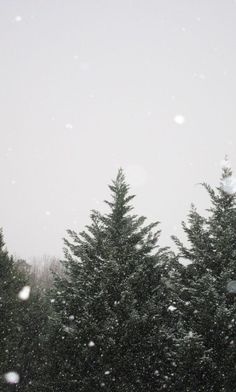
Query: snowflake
point(18, 18)
point(12, 377)
point(172, 308)
point(68, 126)
point(24, 293)
point(179, 119)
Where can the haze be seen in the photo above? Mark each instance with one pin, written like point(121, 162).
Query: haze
point(90, 86)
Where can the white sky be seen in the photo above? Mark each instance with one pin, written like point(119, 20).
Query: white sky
point(88, 86)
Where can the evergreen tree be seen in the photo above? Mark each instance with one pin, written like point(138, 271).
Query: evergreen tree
point(11, 282)
point(34, 354)
point(206, 308)
point(23, 328)
point(114, 319)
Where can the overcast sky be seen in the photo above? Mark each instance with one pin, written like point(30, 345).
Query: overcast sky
point(87, 86)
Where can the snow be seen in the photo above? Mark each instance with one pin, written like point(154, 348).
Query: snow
point(71, 317)
point(24, 293)
point(68, 329)
point(228, 184)
point(18, 18)
point(171, 308)
point(68, 126)
point(225, 164)
point(138, 246)
point(107, 372)
point(179, 119)
point(231, 286)
point(12, 377)
point(91, 344)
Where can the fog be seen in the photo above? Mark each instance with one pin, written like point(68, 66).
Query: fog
point(91, 86)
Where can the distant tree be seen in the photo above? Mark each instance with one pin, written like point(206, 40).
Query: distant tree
point(115, 318)
point(207, 356)
point(42, 271)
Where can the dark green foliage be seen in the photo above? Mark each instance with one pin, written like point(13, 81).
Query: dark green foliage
point(112, 304)
point(124, 315)
point(34, 350)
point(208, 312)
point(23, 327)
point(11, 282)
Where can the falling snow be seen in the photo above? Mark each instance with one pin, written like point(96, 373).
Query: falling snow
point(179, 119)
point(18, 18)
point(68, 126)
point(24, 293)
point(12, 377)
point(171, 308)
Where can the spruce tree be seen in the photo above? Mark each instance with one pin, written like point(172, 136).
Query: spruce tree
point(11, 282)
point(207, 309)
point(114, 318)
point(34, 354)
point(23, 328)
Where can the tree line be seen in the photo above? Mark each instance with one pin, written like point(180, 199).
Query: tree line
point(124, 314)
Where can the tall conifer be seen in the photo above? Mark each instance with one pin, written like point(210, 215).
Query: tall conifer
point(114, 304)
point(207, 308)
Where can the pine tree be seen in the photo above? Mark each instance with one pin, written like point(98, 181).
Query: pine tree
point(208, 311)
point(34, 354)
point(115, 328)
point(11, 282)
point(23, 328)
